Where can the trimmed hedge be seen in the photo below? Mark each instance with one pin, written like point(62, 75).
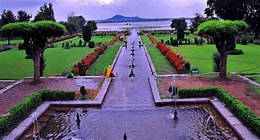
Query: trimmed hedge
point(246, 116)
point(198, 92)
point(26, 107)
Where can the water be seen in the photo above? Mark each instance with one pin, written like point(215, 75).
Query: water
point(135, 123)
point(118, 26)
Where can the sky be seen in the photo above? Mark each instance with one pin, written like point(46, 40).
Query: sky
point(103, 9)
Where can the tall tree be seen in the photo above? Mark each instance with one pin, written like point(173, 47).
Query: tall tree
point(227, 9)
point(92, 24)
point(253, 16)
point(71, 28)
point(224, 36)
point(7, 17)
point(23, 16)
point(180, 25)
point(78, 21)
point(195, 22)
point(35, 35)
point(86, 32)
point(45, 13)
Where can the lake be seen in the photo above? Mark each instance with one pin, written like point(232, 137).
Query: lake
point(118, 26)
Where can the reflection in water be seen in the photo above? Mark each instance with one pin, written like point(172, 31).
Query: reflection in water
point(141, 124)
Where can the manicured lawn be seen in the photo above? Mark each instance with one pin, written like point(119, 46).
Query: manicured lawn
point(161, 64)
point(99, 67)
point(201, 56)
point(13, 64)
point(14, 41)
point(255, 78)
point(75, 40)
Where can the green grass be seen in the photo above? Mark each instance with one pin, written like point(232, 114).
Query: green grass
point(161, 64)
point(14, 41)
point(75, 40)
point(255, 78)
point(13, 64)
point(99, 67)
point(200, 56)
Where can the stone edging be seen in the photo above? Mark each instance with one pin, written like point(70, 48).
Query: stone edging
point(24, 125)
point(9, 86)
point(236, 125)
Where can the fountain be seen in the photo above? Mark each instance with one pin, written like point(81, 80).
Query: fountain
point(36, 132)
point(134, 117)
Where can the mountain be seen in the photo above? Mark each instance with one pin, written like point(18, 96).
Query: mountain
point(118, 18)
point(121, 18)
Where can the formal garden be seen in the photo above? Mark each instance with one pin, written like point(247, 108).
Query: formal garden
point(215, 60)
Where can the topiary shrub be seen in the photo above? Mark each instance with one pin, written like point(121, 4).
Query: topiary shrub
point(186, 67)
point(175, 42)
point(244, 41)
point(83, 91)
point(91, 44)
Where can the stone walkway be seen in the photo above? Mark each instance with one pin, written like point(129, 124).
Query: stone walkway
point(130, 91)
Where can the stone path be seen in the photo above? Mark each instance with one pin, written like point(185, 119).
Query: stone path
point(130, 91)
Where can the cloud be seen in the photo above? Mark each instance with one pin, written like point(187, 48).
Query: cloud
point(102, 9)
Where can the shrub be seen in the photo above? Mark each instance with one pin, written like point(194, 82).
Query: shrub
point(216, 62)
point(247, 117)
point(186, 67)
point(244, 41)
point(198, 92)
point(20, 46)
point(83, 91)
point(235, 52)
point(173, 90)
point(175, 42)
point(23, 109)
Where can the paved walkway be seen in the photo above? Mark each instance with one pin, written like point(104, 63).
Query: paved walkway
point(130, 91)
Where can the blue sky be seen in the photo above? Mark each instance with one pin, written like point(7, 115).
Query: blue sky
point(103, 9)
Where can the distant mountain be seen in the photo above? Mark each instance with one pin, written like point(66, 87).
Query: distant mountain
point(124, 18)
point(121, 18)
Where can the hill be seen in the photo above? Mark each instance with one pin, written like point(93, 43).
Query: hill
point(121, 18)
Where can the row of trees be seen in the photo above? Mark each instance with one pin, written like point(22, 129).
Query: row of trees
point(35, 34)
point(73, 25)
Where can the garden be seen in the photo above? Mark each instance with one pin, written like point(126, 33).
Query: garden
point(59, 59)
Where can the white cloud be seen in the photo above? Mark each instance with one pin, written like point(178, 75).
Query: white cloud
point(102, 9)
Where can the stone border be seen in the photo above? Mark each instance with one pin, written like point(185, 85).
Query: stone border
point(235, 124)
point(24, 125)
point(9, 86)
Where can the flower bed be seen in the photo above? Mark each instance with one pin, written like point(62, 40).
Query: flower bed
point(92, 57)
point(57, 39)
point(175, 59)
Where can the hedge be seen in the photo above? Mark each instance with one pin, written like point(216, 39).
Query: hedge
point(26, 107)
point(246, 116)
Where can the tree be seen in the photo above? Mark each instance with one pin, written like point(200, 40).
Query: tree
point(253, 16)
point(71, 28)
point(224, 35)
point(78, 21)
point(195, 22)
point(92, 24)
point(7, 17)
point(86, 32)
point(180, 25)
point(23, 16)
point(35, 37)
point(227, 9)
point(45, 13)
